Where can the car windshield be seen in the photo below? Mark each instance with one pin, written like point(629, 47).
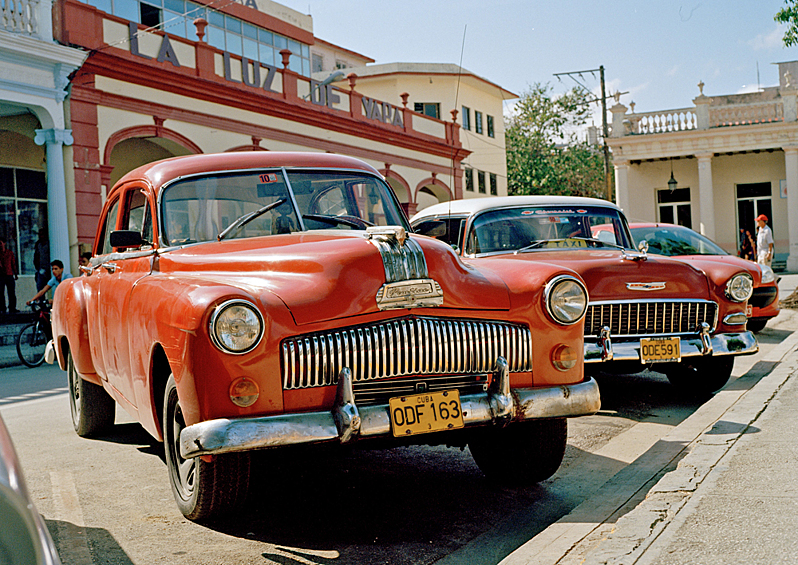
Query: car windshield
point(259, 203)
point(676, 240)
point(545, 228)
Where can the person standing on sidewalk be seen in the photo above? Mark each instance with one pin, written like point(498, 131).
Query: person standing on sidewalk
point(764, 241)
point(8, 277)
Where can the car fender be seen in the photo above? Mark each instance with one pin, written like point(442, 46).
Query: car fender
point(70, 327)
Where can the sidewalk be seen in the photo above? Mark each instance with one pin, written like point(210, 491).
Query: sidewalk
point(732, 499)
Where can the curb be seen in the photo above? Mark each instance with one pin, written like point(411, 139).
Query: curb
point(636, 531)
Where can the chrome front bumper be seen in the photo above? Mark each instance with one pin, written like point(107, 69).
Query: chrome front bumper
point(346, 422)
point(605, 348)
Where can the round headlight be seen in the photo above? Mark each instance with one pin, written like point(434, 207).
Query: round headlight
point(767, 274)
point(566, 299)
point(740, 287)
point(236, 326)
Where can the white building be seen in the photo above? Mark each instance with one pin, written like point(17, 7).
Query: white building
point(733, 157)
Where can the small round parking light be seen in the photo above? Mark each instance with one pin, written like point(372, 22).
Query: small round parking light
point(244, 392)
point(564, 357)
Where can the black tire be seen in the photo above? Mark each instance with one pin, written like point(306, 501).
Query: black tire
point(756, 325)
point(93, 410)
point(203, 490)
point(31, 343)
point(700, 376)
point(522, 453)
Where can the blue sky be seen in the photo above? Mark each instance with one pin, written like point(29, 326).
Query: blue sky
point(656, 50)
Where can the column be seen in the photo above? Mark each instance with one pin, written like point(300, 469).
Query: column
point(57, 222)
point(791, 166)
point(706, 196)
point(622, 185)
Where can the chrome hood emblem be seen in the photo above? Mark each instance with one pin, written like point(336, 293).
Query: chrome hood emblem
point(407, 282)
point(645, 286)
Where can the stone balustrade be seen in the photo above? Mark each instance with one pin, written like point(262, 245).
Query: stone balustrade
point(660, 122)
point(19, 16)
point(746, 114)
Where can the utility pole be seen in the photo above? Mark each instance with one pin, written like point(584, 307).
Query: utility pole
point(604, 125)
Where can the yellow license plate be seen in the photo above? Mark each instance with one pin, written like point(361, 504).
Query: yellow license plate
point(659, 349)
point(425, 412)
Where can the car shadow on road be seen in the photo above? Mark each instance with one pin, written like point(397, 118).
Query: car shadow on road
point(81, 544)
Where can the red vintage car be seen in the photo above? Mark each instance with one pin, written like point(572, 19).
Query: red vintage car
point(683, 318)
point(682, 242)
point(247, 301)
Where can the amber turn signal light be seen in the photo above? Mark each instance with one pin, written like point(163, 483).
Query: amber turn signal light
point(564, 357)
point(243, 392)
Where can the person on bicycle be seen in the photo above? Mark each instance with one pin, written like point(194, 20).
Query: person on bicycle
point(59, 275)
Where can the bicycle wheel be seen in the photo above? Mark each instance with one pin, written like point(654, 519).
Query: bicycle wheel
point(31, 343)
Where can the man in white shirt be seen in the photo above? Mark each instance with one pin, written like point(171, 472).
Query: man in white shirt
point(764, 241)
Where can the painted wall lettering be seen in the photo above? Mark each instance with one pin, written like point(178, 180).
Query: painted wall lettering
point(382, 112)
point(247, 3)
point(165, 53)
point(323, 95)
point(246, 64)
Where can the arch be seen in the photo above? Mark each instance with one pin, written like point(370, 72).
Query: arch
point(399, 185)
point(145, 144)
point(431, 191)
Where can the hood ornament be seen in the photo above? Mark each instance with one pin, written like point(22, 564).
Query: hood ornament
point(646, 286)
point(390, 233)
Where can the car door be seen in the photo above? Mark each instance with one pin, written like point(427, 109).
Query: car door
point(125, 346)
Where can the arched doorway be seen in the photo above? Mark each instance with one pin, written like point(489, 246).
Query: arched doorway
point(431, 191)
point(133, 152)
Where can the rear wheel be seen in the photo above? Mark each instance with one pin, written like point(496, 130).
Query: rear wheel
point(203, 490)
point(31, 343)
point(522, 453)
point(700, 376)
point(92, 409)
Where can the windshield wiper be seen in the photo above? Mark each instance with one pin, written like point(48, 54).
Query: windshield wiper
point(347, 220)
point(533, 245)
point(246, 218)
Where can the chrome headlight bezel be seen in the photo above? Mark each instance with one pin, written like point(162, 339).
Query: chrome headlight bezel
point(216, 330)
point(740, 287)
point(768, 276)
point(555, 295)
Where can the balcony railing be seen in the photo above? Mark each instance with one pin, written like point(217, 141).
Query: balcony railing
point(746, 114)
point(660, 122)
point(19, 16)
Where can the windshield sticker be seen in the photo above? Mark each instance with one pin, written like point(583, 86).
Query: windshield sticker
point(268, 177)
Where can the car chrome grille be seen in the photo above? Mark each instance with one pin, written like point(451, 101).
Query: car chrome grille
point(650, 318)
point(379, 391)
point(404, 347)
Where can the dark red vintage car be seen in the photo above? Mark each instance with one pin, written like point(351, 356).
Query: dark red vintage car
point(683, 318)
point(679, 241)
point(247, 301)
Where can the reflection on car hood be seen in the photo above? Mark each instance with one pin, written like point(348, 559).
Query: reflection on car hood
point(611, 276)
point(329, 274)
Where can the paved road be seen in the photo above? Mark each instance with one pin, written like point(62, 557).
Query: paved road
point(108, 500)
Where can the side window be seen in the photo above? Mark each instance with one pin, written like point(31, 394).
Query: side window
point(108, 226)
point(138, 217)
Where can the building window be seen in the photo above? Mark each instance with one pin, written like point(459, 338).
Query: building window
point(340, 64)
point(223, 32)
point(491, 131)
point(316, 63)
point(752, 200)
point(477, 121)
point(431, 109)
point(494, 184)
point(466, 118)
point(469, 179)
point(23, 213)
point(481, 181)
point(674, 207)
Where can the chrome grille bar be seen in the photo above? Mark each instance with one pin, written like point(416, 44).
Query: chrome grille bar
point(404, 347)
point(650, 318)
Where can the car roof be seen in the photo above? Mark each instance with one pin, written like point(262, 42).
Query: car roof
point(472, 206)
point(159, 173)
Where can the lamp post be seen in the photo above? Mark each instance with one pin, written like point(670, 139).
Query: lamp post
point(672, 184)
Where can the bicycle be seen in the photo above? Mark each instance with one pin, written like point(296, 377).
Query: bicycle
point(32, 340)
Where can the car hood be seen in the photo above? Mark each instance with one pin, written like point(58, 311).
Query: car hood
point(612, 275)
point(328, 275)
point(705, 262)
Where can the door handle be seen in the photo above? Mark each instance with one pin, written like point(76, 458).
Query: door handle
point(110, 267)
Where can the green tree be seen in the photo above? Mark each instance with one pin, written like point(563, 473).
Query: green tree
point(544, 154)
point(789, 15)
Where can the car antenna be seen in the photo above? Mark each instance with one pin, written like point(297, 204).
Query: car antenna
point(454, 151)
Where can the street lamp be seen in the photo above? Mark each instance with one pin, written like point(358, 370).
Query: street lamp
point(334, 77)
point(672, 183)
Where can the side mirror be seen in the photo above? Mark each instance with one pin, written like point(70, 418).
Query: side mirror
point(642, 247)
point(126, 238)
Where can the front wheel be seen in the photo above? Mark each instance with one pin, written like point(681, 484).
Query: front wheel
point(522, 453)
point(31, 343)
point(203, 490)
point(700, 376)
point(93, 411)
point(756, 325)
